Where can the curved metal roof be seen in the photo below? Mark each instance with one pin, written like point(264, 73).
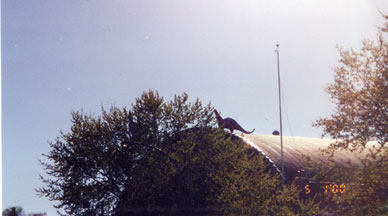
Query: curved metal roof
point(295, 149)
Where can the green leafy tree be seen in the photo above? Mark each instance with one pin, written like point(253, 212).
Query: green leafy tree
point(360, 95)
point(158, 158)
point(360, 92)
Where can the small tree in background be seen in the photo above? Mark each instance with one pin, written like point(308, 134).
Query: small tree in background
point(360, 94)
point(18, 211)
point(13, 211)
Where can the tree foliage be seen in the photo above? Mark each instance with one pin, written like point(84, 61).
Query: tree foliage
point(366, 186)
point(159, 158)
point(18, 211)
point(13, 211)
point(360, 95)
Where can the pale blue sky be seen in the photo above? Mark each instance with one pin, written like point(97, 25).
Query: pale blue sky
point(59, 56)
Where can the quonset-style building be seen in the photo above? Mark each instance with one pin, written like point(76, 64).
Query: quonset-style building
point(295, 149)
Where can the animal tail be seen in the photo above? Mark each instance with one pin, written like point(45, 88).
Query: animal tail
point(248, 132)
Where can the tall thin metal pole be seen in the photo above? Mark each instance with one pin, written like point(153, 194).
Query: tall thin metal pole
point(280, 112)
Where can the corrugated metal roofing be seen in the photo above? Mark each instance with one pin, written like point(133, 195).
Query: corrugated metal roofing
point(296, 148)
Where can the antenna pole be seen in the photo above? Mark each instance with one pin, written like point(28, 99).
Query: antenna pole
point(280, 112)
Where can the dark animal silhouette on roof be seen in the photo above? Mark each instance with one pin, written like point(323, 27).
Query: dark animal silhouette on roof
point(229, 123)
